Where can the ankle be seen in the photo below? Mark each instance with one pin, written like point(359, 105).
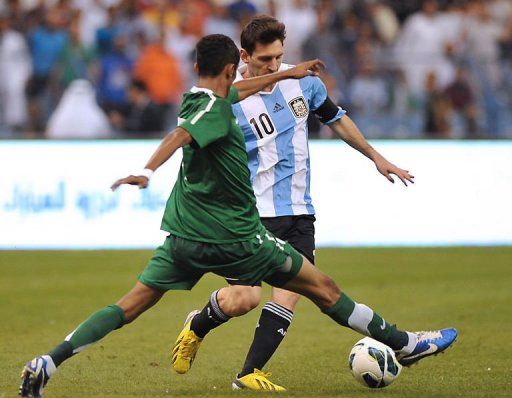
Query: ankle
point(50, 365)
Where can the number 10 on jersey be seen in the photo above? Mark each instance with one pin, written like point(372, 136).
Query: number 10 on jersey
point(263, 126)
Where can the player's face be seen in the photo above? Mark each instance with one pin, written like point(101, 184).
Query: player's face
point(265, 59)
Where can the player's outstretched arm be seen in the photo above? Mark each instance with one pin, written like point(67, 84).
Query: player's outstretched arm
point(247, 87)
point(171, 142)
point(350, 133)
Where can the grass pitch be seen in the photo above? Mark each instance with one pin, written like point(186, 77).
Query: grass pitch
point(44, 295)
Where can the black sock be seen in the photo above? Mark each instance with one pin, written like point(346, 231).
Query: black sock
point(209, 318)
point(270, 331)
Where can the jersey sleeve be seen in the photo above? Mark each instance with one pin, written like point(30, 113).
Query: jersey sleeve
point(232, 95)
point(209, 124)
point(321, 104)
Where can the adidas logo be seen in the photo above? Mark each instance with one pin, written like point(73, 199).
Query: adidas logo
point(277, 107)
point(281, 332)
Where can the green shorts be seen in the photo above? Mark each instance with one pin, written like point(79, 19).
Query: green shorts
point(179, 263)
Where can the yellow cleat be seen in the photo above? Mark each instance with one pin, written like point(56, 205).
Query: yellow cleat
point(186, 346)
point(256, 381)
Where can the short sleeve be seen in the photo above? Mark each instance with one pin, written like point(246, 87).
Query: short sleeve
point(319, 98)
point(318, 93)
point(232, 95)
point(210, 123)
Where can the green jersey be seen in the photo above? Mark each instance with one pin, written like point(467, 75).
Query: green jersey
point(213, 200)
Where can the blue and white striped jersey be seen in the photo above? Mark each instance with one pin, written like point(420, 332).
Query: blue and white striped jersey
point(276, 139)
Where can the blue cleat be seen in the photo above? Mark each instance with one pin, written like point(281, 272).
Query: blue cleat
point(429, 343)
point(34, 378)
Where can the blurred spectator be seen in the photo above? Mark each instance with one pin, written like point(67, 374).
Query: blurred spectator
point(385, 50)
point(93, 16)
point(384, 20)
point(220, 21)
point(404, 9)
point(24, 15)
point(115, 70)
point(453, 23)
point(506, 63)
point(180, 42)
point(15, 69)
point(462, 101)
point(348, 37)
point(131, 24)
point(159, 70)
point(195, 12)
point(368, 92)
point(76, 59)
point(78, 115)
point(21, 18)
point(105, 35)
point(46, 45)
point(161, 12)
point(323, 42)
point(501, 11)
point(143, 117)
point(436, 109)
point(421, 49)
point(300, 20)
point(63, 13)
point(400, 93)
point(484, 34)
point(241, 11)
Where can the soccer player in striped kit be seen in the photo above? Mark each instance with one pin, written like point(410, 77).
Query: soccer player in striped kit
point(274, 123)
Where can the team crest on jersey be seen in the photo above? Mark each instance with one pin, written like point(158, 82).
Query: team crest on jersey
point(298, 107)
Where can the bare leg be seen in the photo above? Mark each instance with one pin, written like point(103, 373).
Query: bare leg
point(237, 300)
point(285, 298)
point(106, 320)
point(315, 285)
point(138, 300)
point(324, 292)
point(224, 304)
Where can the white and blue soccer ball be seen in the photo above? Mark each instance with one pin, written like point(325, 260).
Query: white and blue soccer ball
point(373, 364)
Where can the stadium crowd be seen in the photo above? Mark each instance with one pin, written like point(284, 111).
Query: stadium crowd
point(117, 68)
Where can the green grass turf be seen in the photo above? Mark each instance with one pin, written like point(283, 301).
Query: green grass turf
point(44, 295)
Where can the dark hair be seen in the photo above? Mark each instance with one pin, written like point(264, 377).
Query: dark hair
point(214, 52)
point(138, 85)
point(262, 29)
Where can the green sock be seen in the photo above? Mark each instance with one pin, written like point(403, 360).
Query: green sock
point(88, 332)
point(362, 319)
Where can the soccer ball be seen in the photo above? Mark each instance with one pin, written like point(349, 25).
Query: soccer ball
point(373, 364)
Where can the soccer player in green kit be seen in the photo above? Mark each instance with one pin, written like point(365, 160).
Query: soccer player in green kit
point(214, 225)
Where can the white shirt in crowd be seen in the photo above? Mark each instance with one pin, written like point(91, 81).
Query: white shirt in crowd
point(15, 69)
point(78, 115)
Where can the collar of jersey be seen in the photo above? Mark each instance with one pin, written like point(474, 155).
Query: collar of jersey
point(196, 89)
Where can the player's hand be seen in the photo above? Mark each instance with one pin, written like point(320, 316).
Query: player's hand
point(387, 168)
point(140, 181)
point(308, 68)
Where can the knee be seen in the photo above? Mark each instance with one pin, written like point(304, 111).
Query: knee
point(240, 301)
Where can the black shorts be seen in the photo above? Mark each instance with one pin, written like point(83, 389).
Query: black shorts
point(298, 231)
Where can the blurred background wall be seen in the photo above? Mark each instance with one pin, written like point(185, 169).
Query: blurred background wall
point(57, 196)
